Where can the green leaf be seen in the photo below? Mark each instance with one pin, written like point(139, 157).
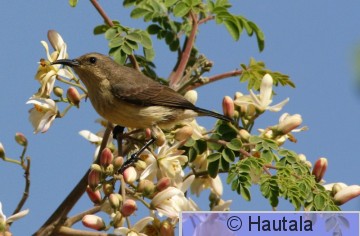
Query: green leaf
point(319, 202)
point(134, 36)
point(235, 144)
point(132, 44)
point(111, 33)
point(170, 3)
point(116, 42)
point(213, 168)
point(73, 3)
point(118, 55)
point(267, 156)
point(213, 157)
point(149, 53)
point(138, 12)
point(228, 155)
point(224, 165)
point(245, 193)
point(214, 145)
point(175, 45)
point(100, 29)
point(232, 29)
point(181, 9)
point(126, 49)
point(153, 29)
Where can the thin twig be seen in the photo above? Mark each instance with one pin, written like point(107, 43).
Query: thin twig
point(72, 220)
point(216, 78)
point(27, 187)
point(206, 19)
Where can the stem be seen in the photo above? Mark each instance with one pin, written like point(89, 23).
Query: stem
point(71, 83)
point(27, 188)
point(176, 77)
point(216, 78)
point(53, 224)
point(206, 19)
point(72, 220)
point(102, 13)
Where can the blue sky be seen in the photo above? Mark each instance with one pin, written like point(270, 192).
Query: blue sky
point(313, 42)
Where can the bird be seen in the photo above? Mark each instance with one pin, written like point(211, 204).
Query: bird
point(126, 97)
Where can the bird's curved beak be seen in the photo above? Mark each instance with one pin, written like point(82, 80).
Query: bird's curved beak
point(67, 62)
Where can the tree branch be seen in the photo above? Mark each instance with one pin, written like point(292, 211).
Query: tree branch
point(72, 220)
point(65, 231)
point(177, 74)
point(216, 78)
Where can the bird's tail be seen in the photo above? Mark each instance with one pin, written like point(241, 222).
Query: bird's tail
point(204, 112)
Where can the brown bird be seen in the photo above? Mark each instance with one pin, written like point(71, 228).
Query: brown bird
point(125, 96)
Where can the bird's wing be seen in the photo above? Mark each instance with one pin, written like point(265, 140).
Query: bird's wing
point(144, 91)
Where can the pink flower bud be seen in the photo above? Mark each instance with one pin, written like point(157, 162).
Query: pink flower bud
point(147, 133)
point(95, 196)
point(146, 187)
point(130, 175)
point(94, 179)
point(163, 183)
point(288, 123)
point(106, 157)
point(128, 208)
point(2, 151)
point(21, 139)
point(347, 194)
point(73, 96)
point(228, 106)
point(93, 222)
point(319, 169)
point(183, 133)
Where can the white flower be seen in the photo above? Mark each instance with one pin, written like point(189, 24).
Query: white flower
point(4, 221)
point(47, 73)
point(263, 100)
point(42, 114)
point(288, 123)
point(135, 230)
point(171, 201)
point(168, 163)
point(201, 184)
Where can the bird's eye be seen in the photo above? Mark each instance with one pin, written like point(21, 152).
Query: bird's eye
point(92, 60)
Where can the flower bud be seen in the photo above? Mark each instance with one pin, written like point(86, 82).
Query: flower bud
point(166, 229)
point(159, 135)
point(106, 157)
point(191, 96)
point(128, 208)
point(95, 196)
point(118, 220)
point(320, 168)
point(228, 106)
point(140, 165)
point(108, 188)
point(130, 175)
point(347, 194)
point(337, 187)
point(244, 135)
point(114, 200)
point(58, 91)
point(118, 162)
point(302, 157)
point(21, 139)
point(73, 95)
point(288, 123)
point(163, 183)
point(96, 167)
point(146, 187)
point(183, 133)
point(2, 151)
point(94, 179)
point(93, 222)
